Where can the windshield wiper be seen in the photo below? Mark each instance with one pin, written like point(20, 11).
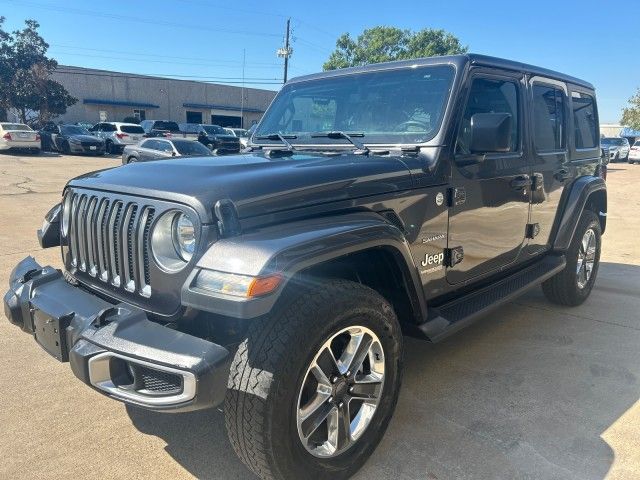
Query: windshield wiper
point(282, 138)
point(362, 149)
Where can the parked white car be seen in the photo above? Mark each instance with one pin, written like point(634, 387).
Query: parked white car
point(19, 136)
point(618, 148)
point(241, 133)
point(118, 135)
point(634, 153)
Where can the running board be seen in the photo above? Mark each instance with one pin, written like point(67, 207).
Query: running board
point(450, 317)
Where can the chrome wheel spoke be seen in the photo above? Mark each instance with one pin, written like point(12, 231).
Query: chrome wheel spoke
point(354, 353)
point(368, 390)
point(316, 418)
point(339, 427)
point(587, 252)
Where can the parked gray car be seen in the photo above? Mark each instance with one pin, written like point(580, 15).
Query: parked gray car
point(117, 135)
point(161, 148)
point(618, 148)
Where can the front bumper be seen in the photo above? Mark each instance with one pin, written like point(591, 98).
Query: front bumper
point(116, 349)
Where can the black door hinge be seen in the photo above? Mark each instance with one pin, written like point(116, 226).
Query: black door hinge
point(456, 196)
point(532, 230)
point(453, 256)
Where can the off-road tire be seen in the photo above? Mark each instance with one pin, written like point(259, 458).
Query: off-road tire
point(563, 288)
point(267, 371)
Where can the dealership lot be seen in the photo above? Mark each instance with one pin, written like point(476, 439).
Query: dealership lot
point(532, 391)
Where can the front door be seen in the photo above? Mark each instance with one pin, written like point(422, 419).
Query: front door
point(490, 193)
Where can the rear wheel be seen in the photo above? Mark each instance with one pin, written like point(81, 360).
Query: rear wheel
point(573, 285)
point(132, 159)
point(313, 386)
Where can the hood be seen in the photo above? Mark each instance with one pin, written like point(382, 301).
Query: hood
point(256, 183)
point(224, 137)
point(85, 138)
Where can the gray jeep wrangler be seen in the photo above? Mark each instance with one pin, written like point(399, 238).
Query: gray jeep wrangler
point(401, 198)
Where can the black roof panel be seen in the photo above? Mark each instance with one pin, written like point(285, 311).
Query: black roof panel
point(458, 61)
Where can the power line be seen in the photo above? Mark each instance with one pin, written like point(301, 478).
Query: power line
point(92, 13)
point(173, 62)
point(144, 54)
point(163, 76)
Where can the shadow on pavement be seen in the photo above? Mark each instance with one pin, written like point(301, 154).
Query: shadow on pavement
point(527, 392)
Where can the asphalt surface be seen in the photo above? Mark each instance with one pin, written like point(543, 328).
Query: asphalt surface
point(531, 391)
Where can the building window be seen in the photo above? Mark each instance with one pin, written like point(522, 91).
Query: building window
point(140, 114)
point(548, 118)
point(194, 117)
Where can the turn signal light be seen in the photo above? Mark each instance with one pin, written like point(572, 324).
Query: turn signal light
point(264, 285)
point(7, 136)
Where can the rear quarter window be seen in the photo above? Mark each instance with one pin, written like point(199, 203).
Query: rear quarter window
point(585, 123)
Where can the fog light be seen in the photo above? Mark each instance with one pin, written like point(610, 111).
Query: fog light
point(237, 285)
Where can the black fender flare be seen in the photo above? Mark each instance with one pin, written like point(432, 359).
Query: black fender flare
point(581, 191)
point(293, 247)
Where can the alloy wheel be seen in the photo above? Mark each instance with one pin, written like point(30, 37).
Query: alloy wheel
point(586, 258)
point(340, 391)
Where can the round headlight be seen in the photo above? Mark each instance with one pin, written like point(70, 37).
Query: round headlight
point(184, 236)
point(66, 214)
point(173, 241)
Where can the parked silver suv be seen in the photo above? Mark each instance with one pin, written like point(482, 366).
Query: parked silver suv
point(117, 135)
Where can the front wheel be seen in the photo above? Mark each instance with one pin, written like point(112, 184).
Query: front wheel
point(573, 285)
point(313, 386)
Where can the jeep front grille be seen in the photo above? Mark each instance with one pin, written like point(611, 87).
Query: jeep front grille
point(109, 240)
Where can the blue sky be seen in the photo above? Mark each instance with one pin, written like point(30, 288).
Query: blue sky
point(205, 39)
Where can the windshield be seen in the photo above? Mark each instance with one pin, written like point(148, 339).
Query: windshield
point(214, 130)
point(190, 147)
point(131, 129)
point(390, 107)
point(618, 142)
point(240, 132)
point(16, 126)
point(73, 130)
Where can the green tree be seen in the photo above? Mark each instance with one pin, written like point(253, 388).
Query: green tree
point(631, 113)
point(26, 70)
point(383, 44)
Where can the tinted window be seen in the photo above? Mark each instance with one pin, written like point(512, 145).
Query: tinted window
point(548, 118)
point(107, 127)
point(73, 130)
point(151, 144)
point(396, 106)
point(162, 125)
point(584, 120)
point(15, 126)
point(131, 129)
point(489, 96)
point(164, 146)
point(190, 147)
point(214, 130)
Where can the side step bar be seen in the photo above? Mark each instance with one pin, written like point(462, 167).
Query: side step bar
point(450, 317)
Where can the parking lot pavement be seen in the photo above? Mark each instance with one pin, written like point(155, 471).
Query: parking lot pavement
point(531, 391)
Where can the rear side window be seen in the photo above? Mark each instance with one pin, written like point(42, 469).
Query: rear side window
point(548, 118)
point(584, 120)
point(490, 96)
point(162, 125)
point(132, 129)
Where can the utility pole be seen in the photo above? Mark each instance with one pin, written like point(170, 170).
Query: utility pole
point(286, 51)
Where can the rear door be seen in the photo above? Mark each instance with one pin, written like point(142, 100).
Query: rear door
point(489, 206)
point(551, 168)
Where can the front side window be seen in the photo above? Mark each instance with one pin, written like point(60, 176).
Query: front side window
point(190, 147)
point(489, 95)
point(584, 120)
point(548, 118)
point(387, 107)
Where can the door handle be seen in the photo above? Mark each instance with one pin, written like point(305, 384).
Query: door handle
point(562, 174)
point(520, 182)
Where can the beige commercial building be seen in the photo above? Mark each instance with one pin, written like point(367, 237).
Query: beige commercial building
point(111, 96)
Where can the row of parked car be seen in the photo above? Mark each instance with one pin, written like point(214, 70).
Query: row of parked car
point(618, 149)
point(113, 137)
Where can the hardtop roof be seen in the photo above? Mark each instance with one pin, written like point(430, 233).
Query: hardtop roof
point(457, 60)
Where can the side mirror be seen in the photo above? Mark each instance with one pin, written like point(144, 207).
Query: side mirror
point(490, 132)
